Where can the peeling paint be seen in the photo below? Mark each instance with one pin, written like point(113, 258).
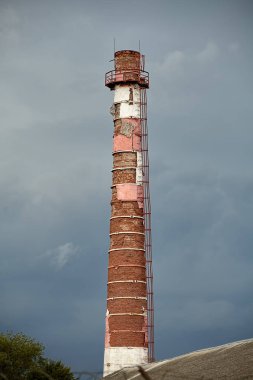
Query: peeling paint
point(145, 328)
point(107, 330)
point(123, 93)
point(128, 135)
point(130, 192)
point(123, 143)
point(140, 196)
point(129, 110)
point(116, 358)
point(139, 169)
point(127, 192)
point(126, 128)
point(127, 100)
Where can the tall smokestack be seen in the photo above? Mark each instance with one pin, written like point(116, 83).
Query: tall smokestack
point(129, 336)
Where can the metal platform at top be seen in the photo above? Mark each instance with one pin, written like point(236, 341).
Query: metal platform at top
point(114, 77)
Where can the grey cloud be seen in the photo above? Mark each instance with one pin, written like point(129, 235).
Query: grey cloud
point(61, 255)
point(55, 161)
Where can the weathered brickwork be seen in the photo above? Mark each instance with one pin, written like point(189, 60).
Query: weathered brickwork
point(125, 257)
point(129, 208)
point(130, 322)
point(127, 60)
point(126, 240)
point(127, 339)
point(121, 160)
point(124, 289)
point(126, 317)
point(127, 224)
point(117, 273)
point(130, 305)
point(124, 176)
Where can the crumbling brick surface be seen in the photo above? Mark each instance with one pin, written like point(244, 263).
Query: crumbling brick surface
point(130, 322)
point(124, 127)
point(126, 273)
point(127, 60)
point(127, 224)
point(124, 176)
point(126, 305)
point(126, 257)
point(124, 159)
point(127, 339)
point(114, 195)
point(125, 208)
point(127, 241)
point(126, 289)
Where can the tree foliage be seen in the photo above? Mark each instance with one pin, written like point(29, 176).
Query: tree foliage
point(51, 370)
point(21, 358)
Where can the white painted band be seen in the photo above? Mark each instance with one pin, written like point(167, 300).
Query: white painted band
point(122, 93)
point(116, 358)
point(127, 107)
point(128, 110)
point(139, 170)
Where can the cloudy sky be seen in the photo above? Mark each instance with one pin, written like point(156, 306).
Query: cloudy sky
point(55, 162)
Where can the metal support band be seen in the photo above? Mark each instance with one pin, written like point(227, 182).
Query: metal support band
point(131, 281)
point(126, 266)
point(127, 232)
point(134, 298)
point(126, 249)
point(124, 151)
point(124, 183)
point(140, 314)
point(127, 216)
point(125, 168)
point(128, 331)
point(127, 101)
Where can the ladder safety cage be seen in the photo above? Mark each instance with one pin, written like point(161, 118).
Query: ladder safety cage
point(147, 222)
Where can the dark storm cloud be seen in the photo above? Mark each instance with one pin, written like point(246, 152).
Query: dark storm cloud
point(55, 160)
